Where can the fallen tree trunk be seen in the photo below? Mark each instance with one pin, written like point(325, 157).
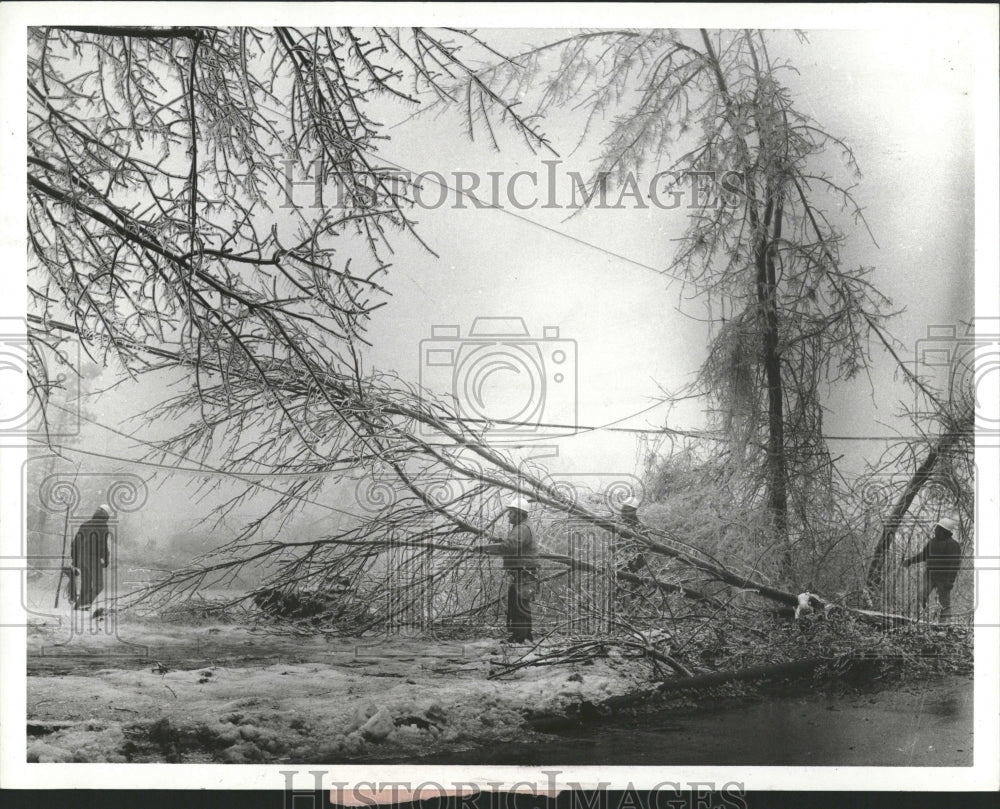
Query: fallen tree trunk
point(382, 422)
point(663, 586)
point(791, 668)
point(524, 483)
point(960, 423)
point(587, 712)
point(876, 567)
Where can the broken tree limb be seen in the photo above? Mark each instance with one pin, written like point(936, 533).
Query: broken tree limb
point(791, 668)
point(662, 657)
point(368, 410)
point(376, 422)
point(587, 712)
point(525, 483)
point(876, 568)
point(578, 564)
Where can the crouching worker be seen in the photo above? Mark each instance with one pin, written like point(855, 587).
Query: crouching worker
point(520, 562)
point(632, 560)
point(628, 559)
point(942, 557)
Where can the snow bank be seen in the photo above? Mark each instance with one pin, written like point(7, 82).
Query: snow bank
point(331, 701)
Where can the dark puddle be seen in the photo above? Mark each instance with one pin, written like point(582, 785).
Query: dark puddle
point(918, 724)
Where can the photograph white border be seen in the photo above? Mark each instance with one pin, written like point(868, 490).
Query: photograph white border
point(980, 22)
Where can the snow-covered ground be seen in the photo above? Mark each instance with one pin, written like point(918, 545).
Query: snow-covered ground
point(155, 691)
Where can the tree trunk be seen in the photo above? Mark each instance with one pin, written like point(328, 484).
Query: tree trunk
point(586, 713)
point(777, 495)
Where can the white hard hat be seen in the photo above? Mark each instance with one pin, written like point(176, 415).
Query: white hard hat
point(948, 524)
point(105, 508)
point(632, 503)
point(519, 503)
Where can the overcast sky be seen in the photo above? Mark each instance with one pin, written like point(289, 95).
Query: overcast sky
point(902, 100)
point(903, 103)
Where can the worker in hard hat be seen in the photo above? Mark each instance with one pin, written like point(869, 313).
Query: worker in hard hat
point(520, 562)
point(942, 556)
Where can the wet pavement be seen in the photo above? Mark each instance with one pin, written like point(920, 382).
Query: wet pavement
point(919, 724)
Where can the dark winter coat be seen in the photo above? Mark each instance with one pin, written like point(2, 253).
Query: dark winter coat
point(943, 556)
point(519, 549)
point(90, 556)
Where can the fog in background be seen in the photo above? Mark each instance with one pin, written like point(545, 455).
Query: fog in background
point(903, 102)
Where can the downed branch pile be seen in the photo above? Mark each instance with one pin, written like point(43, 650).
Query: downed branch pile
point(847, 651)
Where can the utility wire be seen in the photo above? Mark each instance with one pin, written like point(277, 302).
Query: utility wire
point(480, 204)
point(202, 469)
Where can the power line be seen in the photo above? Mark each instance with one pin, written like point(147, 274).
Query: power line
point(578, 429)
point(204, 469)
point(480, 204)
point(667, 431)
